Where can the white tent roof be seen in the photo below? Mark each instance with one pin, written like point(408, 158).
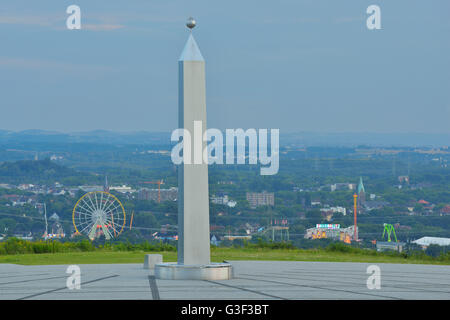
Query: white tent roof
point(426, 241)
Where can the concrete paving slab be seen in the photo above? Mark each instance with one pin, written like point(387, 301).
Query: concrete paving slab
point(279, 280)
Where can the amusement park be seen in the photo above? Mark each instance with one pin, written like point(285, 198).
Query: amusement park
point(99, 214)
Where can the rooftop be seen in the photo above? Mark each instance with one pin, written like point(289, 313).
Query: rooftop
point(426, 241)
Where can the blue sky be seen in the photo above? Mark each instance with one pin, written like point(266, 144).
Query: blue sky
point(294, 65)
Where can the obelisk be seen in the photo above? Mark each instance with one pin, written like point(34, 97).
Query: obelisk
point(193, 199)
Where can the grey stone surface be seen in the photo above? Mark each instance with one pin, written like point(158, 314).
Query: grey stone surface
point(151, 259)
point(253, 280)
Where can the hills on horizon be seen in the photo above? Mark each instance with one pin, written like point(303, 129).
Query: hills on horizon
point(36, 172)
point(342, 139)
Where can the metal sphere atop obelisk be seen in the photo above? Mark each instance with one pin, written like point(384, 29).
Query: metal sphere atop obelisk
point(191, 23)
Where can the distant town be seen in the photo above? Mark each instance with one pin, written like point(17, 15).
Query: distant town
point(309, 203)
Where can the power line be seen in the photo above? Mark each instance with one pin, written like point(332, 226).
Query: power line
point(69, 221)
point(174, 228)
point(362, 217)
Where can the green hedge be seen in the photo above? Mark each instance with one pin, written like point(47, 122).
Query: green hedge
point(17, 246)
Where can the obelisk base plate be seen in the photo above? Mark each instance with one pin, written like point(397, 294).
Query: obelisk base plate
point(175, 271)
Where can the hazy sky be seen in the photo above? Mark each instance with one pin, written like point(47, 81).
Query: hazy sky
point(295, 65)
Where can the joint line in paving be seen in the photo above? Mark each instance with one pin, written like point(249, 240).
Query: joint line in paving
point(59, 289)
point(388, 274)
point(248, 290)
point(409, 288)
point(316, 287)
point(31, 280)
point(19, 274)
point(154, 287)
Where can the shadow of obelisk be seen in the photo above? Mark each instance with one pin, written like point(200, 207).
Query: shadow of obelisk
point(193, 196)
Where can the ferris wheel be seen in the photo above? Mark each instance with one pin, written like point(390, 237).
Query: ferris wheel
point(99, 213)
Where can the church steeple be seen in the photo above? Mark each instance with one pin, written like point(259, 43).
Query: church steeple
point(361, 194)
point(106, 186)
point(360, 186)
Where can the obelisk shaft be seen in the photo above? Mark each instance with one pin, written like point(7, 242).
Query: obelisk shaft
point(193, 196)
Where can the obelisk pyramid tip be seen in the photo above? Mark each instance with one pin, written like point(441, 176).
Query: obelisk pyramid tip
point(191, 52)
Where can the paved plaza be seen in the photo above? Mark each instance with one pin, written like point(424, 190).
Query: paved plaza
point(252, 280)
